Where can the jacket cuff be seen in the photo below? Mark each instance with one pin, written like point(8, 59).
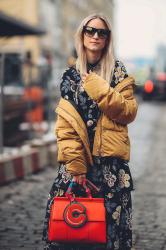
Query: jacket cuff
point(74, 169)
point(95, 86)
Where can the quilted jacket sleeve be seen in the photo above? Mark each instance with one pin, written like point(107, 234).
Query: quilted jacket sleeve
point(70, 147)
point(118, 105)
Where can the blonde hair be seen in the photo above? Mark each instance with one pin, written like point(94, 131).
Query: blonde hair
point(107, 61)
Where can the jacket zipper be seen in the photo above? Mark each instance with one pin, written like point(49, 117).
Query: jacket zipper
point(100, 136)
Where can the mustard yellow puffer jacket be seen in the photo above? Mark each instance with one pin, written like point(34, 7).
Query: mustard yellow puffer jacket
point(118, 107)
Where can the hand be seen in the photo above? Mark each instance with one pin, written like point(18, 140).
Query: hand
point(84, 76)
point(80, 179)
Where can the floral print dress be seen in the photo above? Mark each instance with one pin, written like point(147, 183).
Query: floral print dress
point(112, 175)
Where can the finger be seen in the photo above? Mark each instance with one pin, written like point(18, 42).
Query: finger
point(80, 182)
point(84, 181)
point(85, 75)
point(74, 179)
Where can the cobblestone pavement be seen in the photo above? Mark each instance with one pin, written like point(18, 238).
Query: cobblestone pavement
point(22, 203)
point(23, 210)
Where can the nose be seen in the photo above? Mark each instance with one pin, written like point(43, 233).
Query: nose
point(96, 35)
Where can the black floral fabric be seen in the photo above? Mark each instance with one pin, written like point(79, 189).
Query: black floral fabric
point(111, 175)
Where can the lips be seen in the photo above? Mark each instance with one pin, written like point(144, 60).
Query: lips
point(94, 42)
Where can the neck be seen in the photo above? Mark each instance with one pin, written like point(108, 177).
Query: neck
point(93, 57)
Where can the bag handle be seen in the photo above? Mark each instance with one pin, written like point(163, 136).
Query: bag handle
point(69, 193)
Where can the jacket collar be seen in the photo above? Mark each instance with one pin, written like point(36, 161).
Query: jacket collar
point(70, 112)
point(123, 84)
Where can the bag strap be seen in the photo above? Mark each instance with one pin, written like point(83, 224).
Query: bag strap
point(70, 194)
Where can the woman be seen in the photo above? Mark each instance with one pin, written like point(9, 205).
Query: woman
point(97, 104)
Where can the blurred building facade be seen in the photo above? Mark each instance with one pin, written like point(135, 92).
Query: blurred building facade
point(60, 18)
point(40, 60)
point(19, 48)
point(26, 11)
point(160, 60)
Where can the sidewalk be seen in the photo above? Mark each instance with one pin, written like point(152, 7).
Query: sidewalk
point(33, 156)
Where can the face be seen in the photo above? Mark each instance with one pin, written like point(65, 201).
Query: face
point(95, 41)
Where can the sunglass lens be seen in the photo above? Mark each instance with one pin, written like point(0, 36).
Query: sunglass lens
point(89, 31)
point(103, 33)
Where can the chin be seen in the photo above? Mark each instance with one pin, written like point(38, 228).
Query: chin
point(94, 48)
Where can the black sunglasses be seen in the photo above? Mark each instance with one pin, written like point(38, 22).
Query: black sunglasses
point(90, 31)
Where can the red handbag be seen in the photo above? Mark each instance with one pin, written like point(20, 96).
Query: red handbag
point(78, 220)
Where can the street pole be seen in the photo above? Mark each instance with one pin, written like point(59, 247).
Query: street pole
point(2, 60)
